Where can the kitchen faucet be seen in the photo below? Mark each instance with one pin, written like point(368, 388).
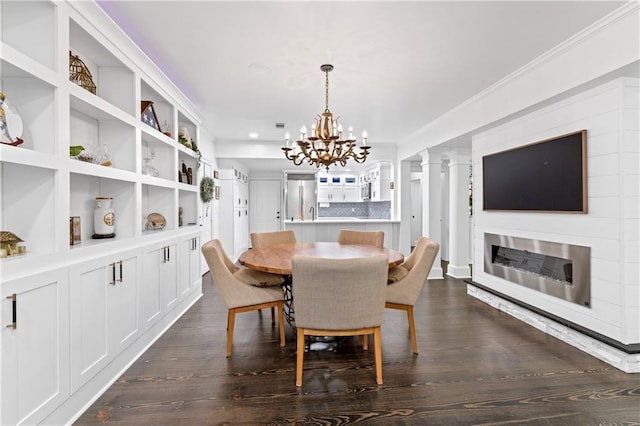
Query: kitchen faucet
point(312, 210)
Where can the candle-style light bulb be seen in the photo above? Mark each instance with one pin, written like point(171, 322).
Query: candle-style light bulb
point(303, 132)
point(340, 131)
point(286, 137)
point(364, 138)
point(350, 132)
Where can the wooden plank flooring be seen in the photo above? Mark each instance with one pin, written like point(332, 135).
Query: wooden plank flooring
point(477, 366)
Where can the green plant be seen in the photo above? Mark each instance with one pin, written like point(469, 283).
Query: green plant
point(206, 189)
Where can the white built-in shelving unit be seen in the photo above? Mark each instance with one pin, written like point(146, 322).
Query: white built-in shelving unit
point(85, 311)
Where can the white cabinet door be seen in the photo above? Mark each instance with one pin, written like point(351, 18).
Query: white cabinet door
point(150, 302)
point(375, 190)
point(324, 194)
point(35, 346)
point(351, 193)
point(188, 265)
point(169, 277)
point(103, 312)
point(159, 293)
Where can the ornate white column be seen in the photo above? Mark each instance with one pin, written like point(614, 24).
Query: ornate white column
point(459, 169)
point(432, 203)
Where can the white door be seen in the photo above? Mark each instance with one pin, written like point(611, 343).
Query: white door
point(265, 205)
point(416, 211)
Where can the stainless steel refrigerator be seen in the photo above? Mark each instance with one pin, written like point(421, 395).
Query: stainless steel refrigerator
point(301, 196)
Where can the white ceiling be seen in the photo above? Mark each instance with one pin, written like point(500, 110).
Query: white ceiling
point(398, 65)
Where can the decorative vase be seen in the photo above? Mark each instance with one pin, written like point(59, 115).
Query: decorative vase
point(104, 217)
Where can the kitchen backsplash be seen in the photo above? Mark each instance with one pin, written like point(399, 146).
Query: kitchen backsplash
point(363, 210)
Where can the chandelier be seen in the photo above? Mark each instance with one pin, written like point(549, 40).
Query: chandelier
point(325, 145)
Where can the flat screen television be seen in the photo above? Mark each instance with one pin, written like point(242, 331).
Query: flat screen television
point(547, 176)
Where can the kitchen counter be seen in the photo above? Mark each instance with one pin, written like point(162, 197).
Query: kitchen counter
point(341, 220)
point(328, 228)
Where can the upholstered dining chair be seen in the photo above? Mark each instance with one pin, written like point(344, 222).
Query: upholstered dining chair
point(238, 295)
point(406, 282)
point(373, 238)
point(324, 306)
point(264, 239)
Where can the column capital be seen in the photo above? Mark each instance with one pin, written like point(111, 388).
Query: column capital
point(431, 156)
point(459, 157)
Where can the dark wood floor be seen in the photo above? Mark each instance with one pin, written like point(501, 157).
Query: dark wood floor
point(476, 366)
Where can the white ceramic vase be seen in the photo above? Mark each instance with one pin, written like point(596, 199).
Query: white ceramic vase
point(103, 217)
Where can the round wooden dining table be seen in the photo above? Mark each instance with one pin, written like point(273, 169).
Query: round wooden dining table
point(276, 258)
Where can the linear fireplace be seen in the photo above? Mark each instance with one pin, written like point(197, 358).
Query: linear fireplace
point(560, 270)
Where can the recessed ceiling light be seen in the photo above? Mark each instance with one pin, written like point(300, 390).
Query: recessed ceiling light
point(253, 135)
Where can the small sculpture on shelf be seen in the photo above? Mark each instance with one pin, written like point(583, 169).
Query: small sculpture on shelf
point(155, 222)
point(9, 244)
point(185, 140)
point(10, 123)
point(80, 74)
point(186, 175)
point(180, 213)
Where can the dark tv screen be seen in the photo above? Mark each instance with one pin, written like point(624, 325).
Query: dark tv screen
point(550, 175)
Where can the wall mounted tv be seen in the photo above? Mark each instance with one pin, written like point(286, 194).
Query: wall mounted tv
point(547, 176)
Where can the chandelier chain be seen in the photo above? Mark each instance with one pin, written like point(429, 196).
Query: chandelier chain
point(326, 91)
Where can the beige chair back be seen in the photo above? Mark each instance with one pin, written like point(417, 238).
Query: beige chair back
point(264, 239)
point(234, 292)
point(339, 294)
point(372, 238)
point(225, 258)
point(419, 263)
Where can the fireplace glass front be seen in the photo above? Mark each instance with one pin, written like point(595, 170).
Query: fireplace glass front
point(560, 270)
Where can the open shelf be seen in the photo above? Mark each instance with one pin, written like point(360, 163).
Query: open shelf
point(29, 214)
point(34, 100)
point(83, 192)
point(21, 20)
point(115, 82)
point(160, 200)
point(165, 111)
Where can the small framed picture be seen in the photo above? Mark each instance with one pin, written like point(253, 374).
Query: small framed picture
point(74, 230)
point(215, 174)
point(148, 115)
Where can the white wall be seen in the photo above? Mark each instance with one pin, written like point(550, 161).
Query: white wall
point(610, 113)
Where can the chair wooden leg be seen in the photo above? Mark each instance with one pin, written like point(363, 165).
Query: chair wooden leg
point(231, 319)
point(273, 316)
point(299, 357)
point(364, 341)
point(412, 329)
point(280, 322)
point(377, 344)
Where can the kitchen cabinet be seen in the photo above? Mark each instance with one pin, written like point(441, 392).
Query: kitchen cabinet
point(104, 303)
point(334, 188)
point(34, 346)
point(379, 176)
point(189, 276)
point(159, 281)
